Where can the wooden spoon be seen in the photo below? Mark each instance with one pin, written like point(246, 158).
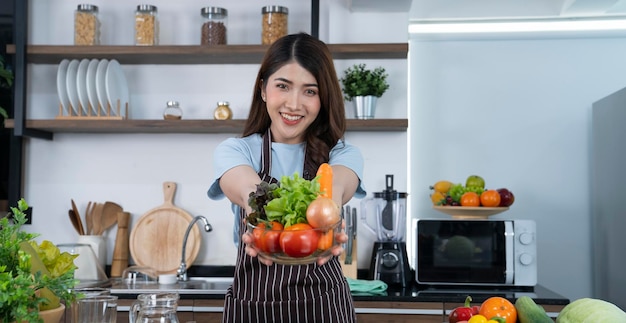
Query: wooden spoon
point(89, 217)
point(109, 214)
point(74, 219)
point(96, 216)
point(79, 222)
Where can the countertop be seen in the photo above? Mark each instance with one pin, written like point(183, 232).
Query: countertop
point(413, 293)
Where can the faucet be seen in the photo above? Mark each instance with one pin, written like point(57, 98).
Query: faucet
point(182, 269)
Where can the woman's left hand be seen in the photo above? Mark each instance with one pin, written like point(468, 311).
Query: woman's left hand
point(337, 249)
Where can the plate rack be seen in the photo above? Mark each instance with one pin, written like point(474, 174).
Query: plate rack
point(107, 113)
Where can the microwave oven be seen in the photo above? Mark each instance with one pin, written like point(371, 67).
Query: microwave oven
point(475, 252)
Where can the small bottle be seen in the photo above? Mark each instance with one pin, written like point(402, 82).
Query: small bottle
point(223, 112)
point(274, 23)
point(146, 25)
point(86, 25)
point(173, 111)
point(215, 26)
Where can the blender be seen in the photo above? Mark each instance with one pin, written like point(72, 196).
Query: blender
point(389, 261)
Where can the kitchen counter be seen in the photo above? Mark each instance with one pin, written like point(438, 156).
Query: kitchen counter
point(414, 293)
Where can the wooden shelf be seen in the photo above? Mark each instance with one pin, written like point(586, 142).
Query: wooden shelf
point(195, 54)
point(182, 126)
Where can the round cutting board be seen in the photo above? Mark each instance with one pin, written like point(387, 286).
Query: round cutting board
point(156, 240)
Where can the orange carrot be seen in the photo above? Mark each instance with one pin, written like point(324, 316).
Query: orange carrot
point(325, 173)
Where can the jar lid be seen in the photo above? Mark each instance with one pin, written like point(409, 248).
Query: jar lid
point(275, 9)
point(87, 7)
point(214, 12)
point(172, 103)
point(146, 7)
point(222, 103)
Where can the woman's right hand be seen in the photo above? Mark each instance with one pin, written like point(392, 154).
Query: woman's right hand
point(251, 250)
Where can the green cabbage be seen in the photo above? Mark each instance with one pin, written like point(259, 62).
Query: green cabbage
point(591, 310)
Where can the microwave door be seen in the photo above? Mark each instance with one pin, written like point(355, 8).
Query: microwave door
point(509, 236)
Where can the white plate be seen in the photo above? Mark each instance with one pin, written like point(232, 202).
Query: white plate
point(70, 85)
point(61, 85)
point(92, 94)
point(81, 85)
point(116, 86)
point(101, 90)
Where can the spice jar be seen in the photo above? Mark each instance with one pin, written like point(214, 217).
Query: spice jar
point(86, 25)
point(222, 112)
point(214, 27)
point(173, 111)
point(146, 25)
point(274, 23)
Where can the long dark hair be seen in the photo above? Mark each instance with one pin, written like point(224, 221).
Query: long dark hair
point(313, 55)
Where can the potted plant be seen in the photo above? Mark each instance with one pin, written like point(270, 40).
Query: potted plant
point(364, 86)
point(35, 280)
point(6, 81)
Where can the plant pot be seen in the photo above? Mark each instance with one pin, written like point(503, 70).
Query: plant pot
point(365, 107)
point(52, 316)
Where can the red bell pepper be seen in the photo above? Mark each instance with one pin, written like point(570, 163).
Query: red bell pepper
point(463, 313)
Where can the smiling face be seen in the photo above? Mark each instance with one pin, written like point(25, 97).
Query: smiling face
point(292, 98)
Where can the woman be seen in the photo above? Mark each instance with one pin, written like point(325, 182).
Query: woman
point(296, 122)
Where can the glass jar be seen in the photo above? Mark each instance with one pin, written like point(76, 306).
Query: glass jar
point(274, 23)
point(222, 112)
point(86, 25)
point(214, 27)
point(146, 25)
point(173, 111)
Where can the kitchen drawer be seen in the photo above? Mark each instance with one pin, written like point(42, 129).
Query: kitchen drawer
point(184, 313)
point(399, 312)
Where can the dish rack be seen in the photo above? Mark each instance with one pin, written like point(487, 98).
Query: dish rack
point(117, 112)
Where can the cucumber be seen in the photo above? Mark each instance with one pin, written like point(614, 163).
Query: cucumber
point(529, 312)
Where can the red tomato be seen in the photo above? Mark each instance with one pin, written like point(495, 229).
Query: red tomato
point(299, 240)
point(268, 239)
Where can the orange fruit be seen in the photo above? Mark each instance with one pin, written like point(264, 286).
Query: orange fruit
point(490, 198)
point(470, 199)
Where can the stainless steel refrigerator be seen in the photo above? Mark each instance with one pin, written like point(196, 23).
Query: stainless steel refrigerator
point(608, 198)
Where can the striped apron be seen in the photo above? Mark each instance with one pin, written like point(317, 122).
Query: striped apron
point(286, 293)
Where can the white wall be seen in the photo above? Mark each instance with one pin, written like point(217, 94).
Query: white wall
point(130, 168)
point(517, 112)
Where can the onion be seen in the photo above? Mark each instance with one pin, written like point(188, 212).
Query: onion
point(322, 212)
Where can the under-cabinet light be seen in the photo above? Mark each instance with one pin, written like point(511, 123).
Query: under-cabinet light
point(426, 27)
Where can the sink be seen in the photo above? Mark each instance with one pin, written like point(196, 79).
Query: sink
point(195, 285)
point(210, 283)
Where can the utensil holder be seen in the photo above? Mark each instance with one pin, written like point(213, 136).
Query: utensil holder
point(99, 246)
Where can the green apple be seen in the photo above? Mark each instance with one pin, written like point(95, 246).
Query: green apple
point(475, 181)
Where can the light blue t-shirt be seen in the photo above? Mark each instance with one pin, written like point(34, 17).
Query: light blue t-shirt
point(287, 159)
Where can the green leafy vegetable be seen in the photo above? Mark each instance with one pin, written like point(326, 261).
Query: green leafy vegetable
point(285, 202)
point(292, 199)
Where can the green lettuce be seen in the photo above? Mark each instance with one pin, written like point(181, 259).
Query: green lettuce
point(291, 200)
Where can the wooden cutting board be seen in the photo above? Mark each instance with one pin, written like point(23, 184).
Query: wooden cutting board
point(156, 240)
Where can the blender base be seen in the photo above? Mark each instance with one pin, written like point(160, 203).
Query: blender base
point(390, 263)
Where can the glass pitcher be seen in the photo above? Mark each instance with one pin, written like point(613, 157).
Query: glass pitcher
point(158, 307)
point(388, 210)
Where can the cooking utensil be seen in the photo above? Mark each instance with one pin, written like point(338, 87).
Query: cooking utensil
point(79, 222)
point(109, 214)
point(89, 217)
point(349, 228)
point(157, 238)
point(74, 219)
point(387, 214)
point(96, 218)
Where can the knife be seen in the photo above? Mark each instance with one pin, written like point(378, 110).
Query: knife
point(350, 213)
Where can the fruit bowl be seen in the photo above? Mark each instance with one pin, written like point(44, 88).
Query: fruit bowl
point(299, 244)
point(470, 212)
